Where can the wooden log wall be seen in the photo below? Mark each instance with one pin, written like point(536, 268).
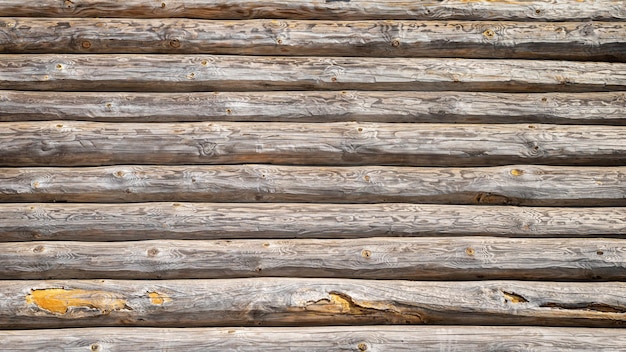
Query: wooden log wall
point(305, 174)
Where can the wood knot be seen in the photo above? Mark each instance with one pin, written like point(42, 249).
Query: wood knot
point(86, 44)
point(153, 252)
point(38, 249)
point(517, 172)
point(395, 43)
point(470, 251)
point(366, 253)
point(489, 33)
point(94, 347)
point(175, 43)
point(362, 346)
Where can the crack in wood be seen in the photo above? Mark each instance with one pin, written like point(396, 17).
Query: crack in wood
point(597, 307)
point(514, 297)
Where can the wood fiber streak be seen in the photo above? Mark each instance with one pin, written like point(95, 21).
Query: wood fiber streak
point(210, 221)
point(185, 73)
point(598, 41)
point(426, 258)
point(77, 143)
point(510, 185)
point(317, 106)
point(290, 301)
point(527, 10)
point(336, 338)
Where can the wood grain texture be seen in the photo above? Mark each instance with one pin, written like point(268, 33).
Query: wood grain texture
point(425, 258)
point(290, 301)
point(512, 185)
point(77, 143)
point(210, 221)
point(607, 108)
point(323, 339)
point(598, 41)
point(542, 10)
point(184, 73)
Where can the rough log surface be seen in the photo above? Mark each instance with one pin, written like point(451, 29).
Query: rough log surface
point(553, 10)
point(78, 143)
point(426, 258)
point(206, 221)
point(288, 302)
point(336, 338)
point(317, 106)
point(512, 185)
point(598, 41)
point(184, 73)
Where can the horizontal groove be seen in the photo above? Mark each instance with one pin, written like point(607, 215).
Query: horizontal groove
point(597, 41)
point(510, 185)
point(77, 143)
point(608, 108)
point(534, 10)
point(187, 73)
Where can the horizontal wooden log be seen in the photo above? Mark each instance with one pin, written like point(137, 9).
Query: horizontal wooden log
point(516, 185)
point(599, 41)
point(77, 143)
point(288, 302)
point(554, 10)
point(336, 338)
point(184, 73)
point(425, 258)
point(365, 106)
point(195, 221)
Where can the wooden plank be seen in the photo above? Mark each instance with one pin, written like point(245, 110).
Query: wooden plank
point(514, 185)
point(554, 10)
point(317, 106)
point(184, 73)
point(598, 41)
point(78, 143)
point(289, 301)
point(425, 258)
point(195, 221)
point(336, 338)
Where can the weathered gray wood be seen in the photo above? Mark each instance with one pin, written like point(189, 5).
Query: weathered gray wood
point(336, 338)
point(125, 222)
point(170, 73)
point(517, 185)
point(425, 258)
point(317, 106)
point(286, 301)
point(599, 41)
point(545, 10)
point(78, 143)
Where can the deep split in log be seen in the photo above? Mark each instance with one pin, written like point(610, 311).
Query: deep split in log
point(425, 258)
point(595, 41)
point(607, 108)
point(289, 302)
point(185, 73)
point(511, 185)
point(92, 222)
point(77, 143)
